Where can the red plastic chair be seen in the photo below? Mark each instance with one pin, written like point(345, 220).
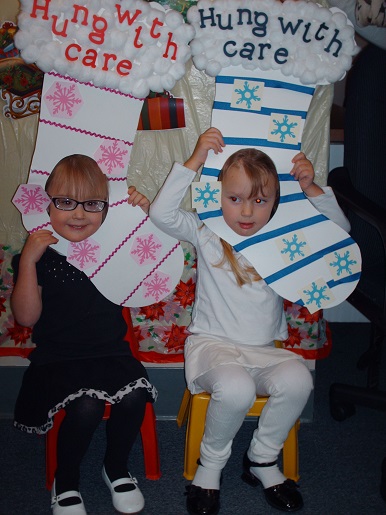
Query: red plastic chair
point(148, 428)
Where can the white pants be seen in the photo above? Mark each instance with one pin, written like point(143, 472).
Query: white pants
point(233, 390)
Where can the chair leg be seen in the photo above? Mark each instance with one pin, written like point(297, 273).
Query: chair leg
point(183, 412)
point(51, 444)
point(291, 454)
point(150, 444)
point(194, 433)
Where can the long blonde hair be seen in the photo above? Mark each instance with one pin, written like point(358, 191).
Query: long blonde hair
point(81, 177)
point(259, 168)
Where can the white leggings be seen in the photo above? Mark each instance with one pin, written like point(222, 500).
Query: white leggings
point(233, 391)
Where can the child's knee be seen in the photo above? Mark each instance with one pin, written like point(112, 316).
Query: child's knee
point(295, 379)
point(235, 390)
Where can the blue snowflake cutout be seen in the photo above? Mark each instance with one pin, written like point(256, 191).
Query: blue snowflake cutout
point(316, 294)
point(245, 95)
point(293, 247)
point(343, 263)
point(284, 128)
point(205, 194)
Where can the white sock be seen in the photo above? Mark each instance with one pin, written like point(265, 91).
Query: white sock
point(269, 476)
point(207, 478)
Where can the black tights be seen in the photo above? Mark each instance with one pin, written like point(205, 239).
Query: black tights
point(83, 416)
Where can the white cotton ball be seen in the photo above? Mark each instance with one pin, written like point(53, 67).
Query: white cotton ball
point(276, 36)
point(168, 81)
point(185, 33)
point(117, 39)
point(264, 64)
point(347, 33)
point(173, 19)
point(340, 19)
point(23, 21)
point(184, 54)
point(196, 47)
point(144, 70)
point(125, 85)
point(45, 62)
point(177, 70)
point(287, 68)
point(322, 15)
point(22, 39)
point(99, 78)
point(334, 75)
point(312, 62)
point(310, 10)
point(108, 4)
point(82, 36)
point(30, 54)
point(129, 51)
point(161, 67)
point(200, 62)
point(308, 77)
point(155, 83)
point(140, 89)
point(213, 68)
point(61, 65)
point(192, 15)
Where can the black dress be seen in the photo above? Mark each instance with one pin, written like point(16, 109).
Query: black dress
point(80, 347)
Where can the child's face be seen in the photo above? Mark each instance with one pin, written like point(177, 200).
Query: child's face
point(244, 214)
point(75, 225)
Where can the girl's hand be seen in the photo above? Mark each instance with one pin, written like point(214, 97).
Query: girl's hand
point(137, 199)
point(303, 171)
point(210, 140)
point(36, 244)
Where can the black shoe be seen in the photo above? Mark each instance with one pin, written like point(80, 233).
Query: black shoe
point(202, 501)
point(283, 497)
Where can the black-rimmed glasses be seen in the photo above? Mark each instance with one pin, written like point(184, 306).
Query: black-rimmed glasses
point(69, 204)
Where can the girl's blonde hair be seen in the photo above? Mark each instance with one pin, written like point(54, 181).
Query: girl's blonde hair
point(79, 176)
point(259, 168)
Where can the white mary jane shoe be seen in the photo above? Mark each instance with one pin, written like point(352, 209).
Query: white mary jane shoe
point(75, 509)
point(131, 501)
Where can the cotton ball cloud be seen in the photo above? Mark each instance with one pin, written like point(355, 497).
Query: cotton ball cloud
point(131, 45)
point(299, 38)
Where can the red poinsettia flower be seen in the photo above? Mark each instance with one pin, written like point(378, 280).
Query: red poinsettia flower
point(176, 337)
point(138, 333)
point(308, 317)
point(19, 334)
point(2, 307)
point(185, 293)
point(24, 81)
point(153, 312)
point(294, 338)
point(8, 79)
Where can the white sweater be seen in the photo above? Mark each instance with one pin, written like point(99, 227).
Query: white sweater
point(249, 315)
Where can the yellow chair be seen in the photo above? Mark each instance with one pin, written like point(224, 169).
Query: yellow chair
point(193, 411)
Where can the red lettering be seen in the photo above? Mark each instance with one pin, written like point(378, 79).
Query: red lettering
point(44, 8)
point(137, 43)
point(152, 30)
point(54, 29)
point(169, 44)
point(78, 9)
point(126, 15)
point(124, 67)
point(67, 51)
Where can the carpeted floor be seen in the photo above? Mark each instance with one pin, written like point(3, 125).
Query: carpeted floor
point(339, 461)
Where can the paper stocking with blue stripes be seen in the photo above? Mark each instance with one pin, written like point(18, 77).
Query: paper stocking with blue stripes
point(302, 255)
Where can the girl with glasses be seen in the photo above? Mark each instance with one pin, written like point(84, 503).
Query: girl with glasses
point(81, 358)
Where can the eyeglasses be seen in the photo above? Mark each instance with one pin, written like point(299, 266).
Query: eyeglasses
point(69, 204)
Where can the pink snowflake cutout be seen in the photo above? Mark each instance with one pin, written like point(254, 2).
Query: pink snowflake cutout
point(84, 254)
point(63, 100)
point(146, 249)
point(157, 286)
point(112, 157)
point(31, 199)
